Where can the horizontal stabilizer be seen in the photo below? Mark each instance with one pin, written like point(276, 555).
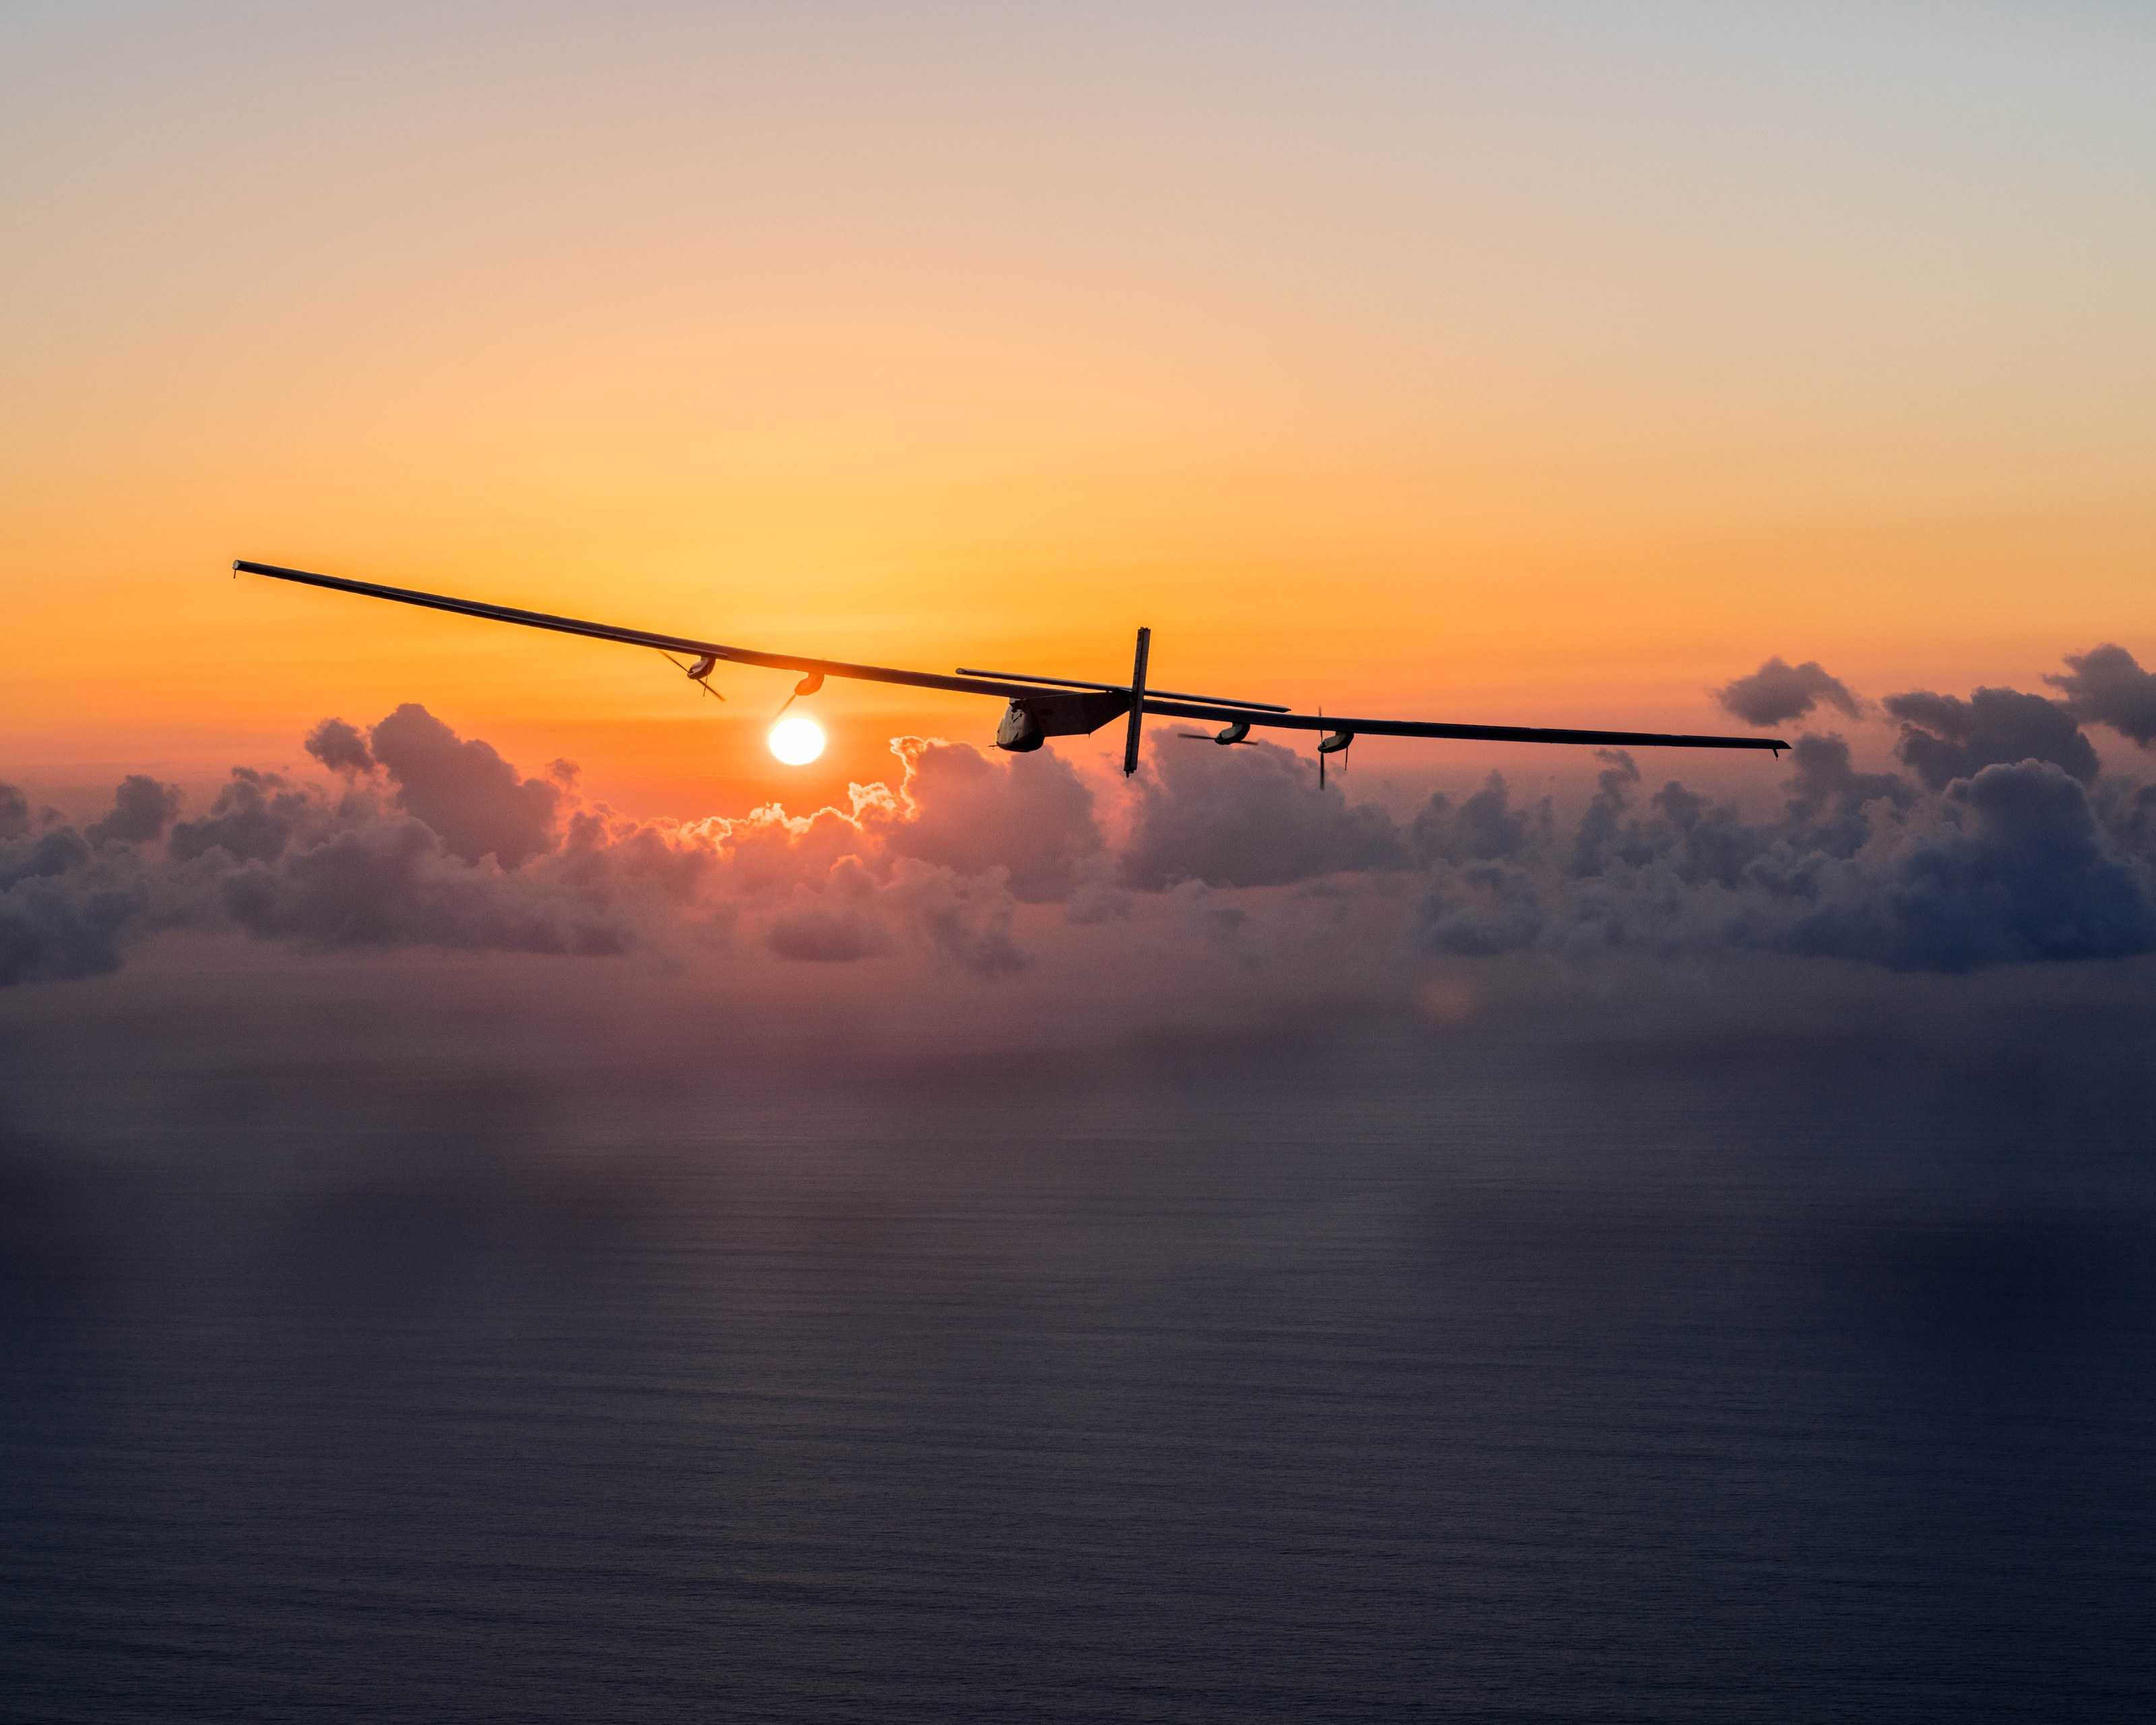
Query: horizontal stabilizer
point(1255, 707)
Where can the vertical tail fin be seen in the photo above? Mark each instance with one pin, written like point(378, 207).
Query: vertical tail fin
point(1137, 704)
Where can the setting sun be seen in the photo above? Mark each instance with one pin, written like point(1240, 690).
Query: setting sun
point(797, 741)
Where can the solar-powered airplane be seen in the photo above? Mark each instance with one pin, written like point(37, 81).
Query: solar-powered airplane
point(1039, 708)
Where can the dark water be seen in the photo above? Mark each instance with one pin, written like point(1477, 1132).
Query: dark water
point(1475, 1385)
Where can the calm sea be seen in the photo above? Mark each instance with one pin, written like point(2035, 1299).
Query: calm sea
point(1491, 1383)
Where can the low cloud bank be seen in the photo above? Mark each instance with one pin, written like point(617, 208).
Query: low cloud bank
point(2014, 863)
point(2003, 842)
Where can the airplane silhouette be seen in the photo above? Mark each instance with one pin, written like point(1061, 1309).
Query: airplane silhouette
point(1039, 708)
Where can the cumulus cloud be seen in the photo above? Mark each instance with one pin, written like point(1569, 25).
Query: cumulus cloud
point(1779, 692)
point(1249, 816)
point(141, 809)
point(1829, 796)
point(340, 747)
point(68, 905)
point(53, 926)
point(1484, 827)
point(470, 797)
point(430, 839)
point(1945, 737)
point(2106, 685)
point(255, 818)
point(1030, 815)
point(2015, 868)
point(2016, 863)
point(390, 882)
point(966, 918)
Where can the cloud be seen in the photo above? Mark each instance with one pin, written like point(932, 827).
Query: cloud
point(1249, 816)
point(1778, 692)
point(1945, 737)
point(390, 882)
point(438, 841)
point(55, 851)
point(52, 928)
point(966, 918)
point(1828, 796)
point(2107, 686)
point(70, 906)
point(340, 747)
point(2016, 864)
point(141, 809)
point(1483, 828)
point(1486, 908)
point(1030, 815)
point(827, 934)
point(14, 813)
point(1602, 837)
point(2014, 869)
point(256, 815)
point(467, 793)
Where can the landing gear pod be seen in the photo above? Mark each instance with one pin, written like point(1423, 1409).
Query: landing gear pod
point(1333, 743)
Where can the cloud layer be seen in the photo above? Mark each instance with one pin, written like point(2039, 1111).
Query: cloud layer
point(2002, 843)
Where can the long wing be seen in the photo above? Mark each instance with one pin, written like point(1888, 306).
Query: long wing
point(644, 637)
point(1476, 733)
point(1007, 688)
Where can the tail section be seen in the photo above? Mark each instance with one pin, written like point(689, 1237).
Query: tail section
point(1137, 703)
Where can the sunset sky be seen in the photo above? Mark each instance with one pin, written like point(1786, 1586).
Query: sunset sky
point(1527, 363)
point(516, 1203)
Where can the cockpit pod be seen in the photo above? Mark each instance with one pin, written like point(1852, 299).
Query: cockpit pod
point(1030, 720)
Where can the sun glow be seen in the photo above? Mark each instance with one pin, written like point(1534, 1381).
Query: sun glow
point(797, 741)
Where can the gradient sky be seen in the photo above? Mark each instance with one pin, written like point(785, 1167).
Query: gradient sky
point(1531, 362)
point(1612, 1238)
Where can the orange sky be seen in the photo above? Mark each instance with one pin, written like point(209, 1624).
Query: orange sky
point(1479, 364)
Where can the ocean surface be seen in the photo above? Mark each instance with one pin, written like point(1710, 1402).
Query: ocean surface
point(1424, 1380)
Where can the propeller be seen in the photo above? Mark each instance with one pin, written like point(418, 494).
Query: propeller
point(1333, 742)
point(807, 685)
point(698, 673)
point(1239, 731)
